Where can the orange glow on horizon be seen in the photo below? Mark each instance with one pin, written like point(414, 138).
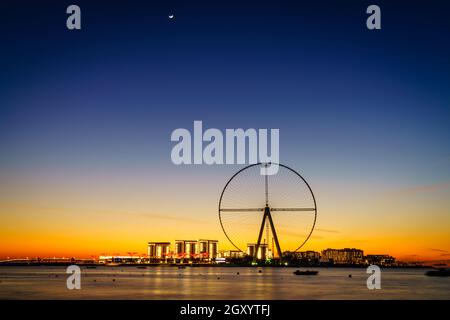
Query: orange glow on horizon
point(60, 219)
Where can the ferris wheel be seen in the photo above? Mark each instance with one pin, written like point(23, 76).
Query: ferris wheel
point(267, 211)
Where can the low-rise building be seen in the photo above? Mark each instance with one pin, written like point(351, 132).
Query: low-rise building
point(203, 250)
point(105, 259)
point(231, 254)
point(185, 249)
point(311, 256)
point(158, 250)
point(380, 259)
point(208, 249)
point(263, 251)
point(343, 256)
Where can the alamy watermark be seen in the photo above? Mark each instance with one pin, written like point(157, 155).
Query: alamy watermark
point(74, 280)
point(374, 280)
point(235, 146)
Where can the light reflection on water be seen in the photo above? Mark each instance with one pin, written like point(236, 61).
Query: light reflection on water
point(217, 283)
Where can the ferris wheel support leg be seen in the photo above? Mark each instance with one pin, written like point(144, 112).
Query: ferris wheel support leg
point(261, 230)
point(274, 233)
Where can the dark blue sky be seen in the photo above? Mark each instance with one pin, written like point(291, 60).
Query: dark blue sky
point(348, 101)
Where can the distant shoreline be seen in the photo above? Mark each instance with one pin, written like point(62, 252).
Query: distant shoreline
point(171, 265)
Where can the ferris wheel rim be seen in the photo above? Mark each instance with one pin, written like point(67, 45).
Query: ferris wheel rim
point(262, 163)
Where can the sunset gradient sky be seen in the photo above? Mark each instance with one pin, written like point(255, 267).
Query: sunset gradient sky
point(86, 118)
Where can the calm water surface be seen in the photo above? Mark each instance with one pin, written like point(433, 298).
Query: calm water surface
point(217, 283)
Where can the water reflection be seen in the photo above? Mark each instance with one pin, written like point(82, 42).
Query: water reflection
point(165, 282)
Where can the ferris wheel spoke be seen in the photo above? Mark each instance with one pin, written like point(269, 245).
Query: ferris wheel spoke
point(293, 209)
point(266, 186)
point(241, 209)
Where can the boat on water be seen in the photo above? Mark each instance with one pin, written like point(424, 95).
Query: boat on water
point(438, 273)
point(305, 273)
point(141, 267)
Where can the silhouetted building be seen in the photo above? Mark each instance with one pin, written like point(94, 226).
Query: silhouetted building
point(251, 247)
point(263, 251)
point(158, 250)
point(120, 259)
point(343, 256)
point(185, 249)
point(380, 259)
point(231, 254)
point(208, 249)
point(311, 256)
